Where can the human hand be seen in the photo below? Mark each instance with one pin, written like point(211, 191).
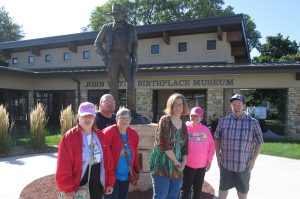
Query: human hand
point(70, 195)
point(177, 164)
point(208, 166)
point(250, 165)
point(109, 190)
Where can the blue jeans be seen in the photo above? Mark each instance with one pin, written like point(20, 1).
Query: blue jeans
point(165, 188)
point(120, 190)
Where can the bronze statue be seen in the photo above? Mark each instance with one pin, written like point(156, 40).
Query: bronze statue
point(117, 43)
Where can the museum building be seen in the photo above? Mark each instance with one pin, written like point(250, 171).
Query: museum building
point(206, 60)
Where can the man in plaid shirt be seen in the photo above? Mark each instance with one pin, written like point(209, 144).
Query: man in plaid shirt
point(238, 141)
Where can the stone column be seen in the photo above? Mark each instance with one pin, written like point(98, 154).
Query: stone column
point(144, 102)
point(292, 128)
point(215, 102)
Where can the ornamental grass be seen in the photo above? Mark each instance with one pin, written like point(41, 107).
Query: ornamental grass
point(38, 122)
point(67, 119)
point(4, 130)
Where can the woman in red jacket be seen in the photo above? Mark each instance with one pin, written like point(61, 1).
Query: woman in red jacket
point(74, 158)
point(114, 135)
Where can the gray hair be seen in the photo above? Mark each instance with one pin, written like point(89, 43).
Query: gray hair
point(123, 111)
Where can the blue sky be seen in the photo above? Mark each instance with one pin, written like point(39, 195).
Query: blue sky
point(58, 17)
point(271, 17)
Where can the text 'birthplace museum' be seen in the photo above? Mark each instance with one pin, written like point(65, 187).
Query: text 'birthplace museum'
point(205, 60)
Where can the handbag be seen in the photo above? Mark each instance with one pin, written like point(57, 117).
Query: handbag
point(83, 191)
point(133, 177)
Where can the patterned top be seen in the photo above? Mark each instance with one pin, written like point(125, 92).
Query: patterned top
point(168, 137)
point(238, 137)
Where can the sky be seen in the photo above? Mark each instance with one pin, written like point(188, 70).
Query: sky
point(40, 18)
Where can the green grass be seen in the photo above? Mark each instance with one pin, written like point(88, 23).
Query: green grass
point(276, 126)
point(53, 139)
point(288, 150)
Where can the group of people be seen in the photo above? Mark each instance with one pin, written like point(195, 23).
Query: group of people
point(97, 149)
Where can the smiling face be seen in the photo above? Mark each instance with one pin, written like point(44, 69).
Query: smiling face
point(86, 122)
point(123, 122)
point(177, 107)
point(107, 104)
point(195, 119)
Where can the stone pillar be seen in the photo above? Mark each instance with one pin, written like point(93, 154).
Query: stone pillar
point(146, 133)
point(144, 102)
point(215, 102)
point(292, 128)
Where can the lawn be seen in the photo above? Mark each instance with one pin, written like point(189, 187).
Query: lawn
point(282, 149)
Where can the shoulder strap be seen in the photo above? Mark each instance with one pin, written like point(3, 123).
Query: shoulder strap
point(91, 156)
point(125, 151)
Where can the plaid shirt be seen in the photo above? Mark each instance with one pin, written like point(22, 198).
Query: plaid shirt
point(238, 137)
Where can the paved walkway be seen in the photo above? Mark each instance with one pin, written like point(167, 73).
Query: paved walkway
point(272, 177)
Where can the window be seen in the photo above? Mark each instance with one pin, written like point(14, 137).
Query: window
point(14, 60)
point(211, 45)
point(155, 49)
point(66, 56)
point(30, 59)
point(86, 54)
point(48, 58)
point(182, 47)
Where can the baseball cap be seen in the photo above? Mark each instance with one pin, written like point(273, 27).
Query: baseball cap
point(237, 97)
point(87, 108)
point(197, 111)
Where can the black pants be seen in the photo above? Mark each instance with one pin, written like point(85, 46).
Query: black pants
point(192, 177)
point(95, 186)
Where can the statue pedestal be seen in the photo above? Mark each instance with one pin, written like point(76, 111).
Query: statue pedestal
point(146, 133)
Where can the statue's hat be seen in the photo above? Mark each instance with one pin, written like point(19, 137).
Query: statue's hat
point(117, 8)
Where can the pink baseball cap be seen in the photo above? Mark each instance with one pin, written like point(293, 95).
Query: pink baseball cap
point(197, 111)
point(87, 108)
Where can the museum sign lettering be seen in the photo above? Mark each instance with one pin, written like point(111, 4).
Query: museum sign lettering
point(167, 83)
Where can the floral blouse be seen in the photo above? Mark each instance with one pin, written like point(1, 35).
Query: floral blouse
point(168, 137)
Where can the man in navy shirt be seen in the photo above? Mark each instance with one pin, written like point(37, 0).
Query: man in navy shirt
point(106, 117)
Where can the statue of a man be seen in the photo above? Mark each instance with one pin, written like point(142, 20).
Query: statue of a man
point(117, 43)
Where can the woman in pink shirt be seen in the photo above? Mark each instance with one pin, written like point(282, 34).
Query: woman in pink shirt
point(200, 155)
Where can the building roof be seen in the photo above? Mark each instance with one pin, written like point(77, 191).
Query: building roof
point(189, 69)
point(234, 23)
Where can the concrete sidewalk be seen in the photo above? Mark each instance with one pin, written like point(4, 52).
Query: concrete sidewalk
point(272, 177)
point(18, 171)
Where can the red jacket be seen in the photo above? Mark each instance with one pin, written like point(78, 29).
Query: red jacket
point(115, 144)
point(69, 160)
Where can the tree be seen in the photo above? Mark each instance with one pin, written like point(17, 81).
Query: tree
point(146, 12)
point(9, 30)
point(278, 49)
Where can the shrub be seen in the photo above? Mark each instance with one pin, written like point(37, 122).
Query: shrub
point(38, 122)
point(4, 130)
point(67, 119)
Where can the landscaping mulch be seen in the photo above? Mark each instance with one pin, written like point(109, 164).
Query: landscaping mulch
point(45, 187)
point(28, 150)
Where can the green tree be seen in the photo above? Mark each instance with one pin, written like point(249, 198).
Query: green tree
point(146, 12)
point(9, 30)
point(278, 49)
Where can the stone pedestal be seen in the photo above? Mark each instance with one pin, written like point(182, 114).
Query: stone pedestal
point(146, 133)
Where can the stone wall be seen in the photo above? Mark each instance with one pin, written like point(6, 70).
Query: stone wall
point(292, 129)
point(144, 102)
point(146, 133)
point(215, 102)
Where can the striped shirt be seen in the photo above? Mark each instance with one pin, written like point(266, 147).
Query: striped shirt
point(238, 137)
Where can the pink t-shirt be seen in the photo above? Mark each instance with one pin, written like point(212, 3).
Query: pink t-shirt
point(200, 146)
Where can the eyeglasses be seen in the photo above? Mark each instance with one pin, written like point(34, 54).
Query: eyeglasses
point(125, 119)
point(178, 105)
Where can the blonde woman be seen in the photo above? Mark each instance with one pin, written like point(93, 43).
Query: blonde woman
point(169, 154)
